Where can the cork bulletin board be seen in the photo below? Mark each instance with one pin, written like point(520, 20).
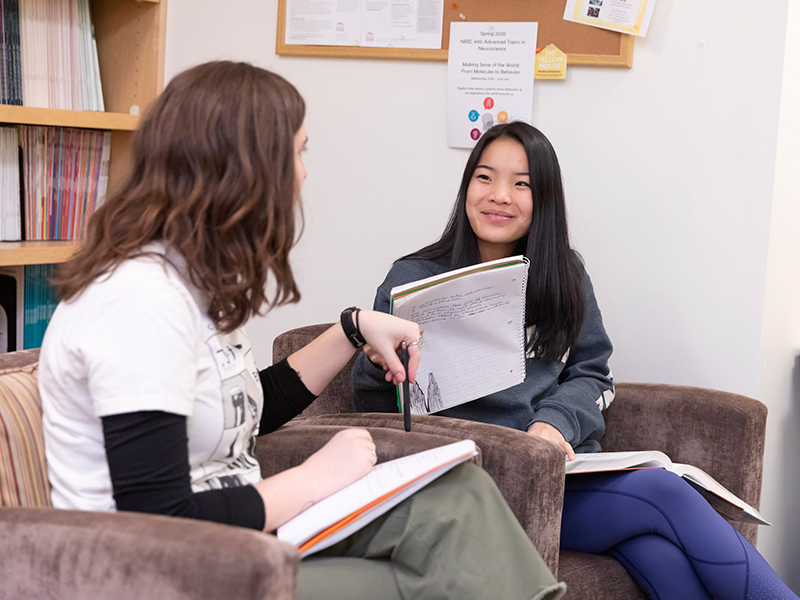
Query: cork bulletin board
point(584, 45)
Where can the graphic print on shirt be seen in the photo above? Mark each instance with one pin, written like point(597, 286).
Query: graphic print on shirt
point(240, 409)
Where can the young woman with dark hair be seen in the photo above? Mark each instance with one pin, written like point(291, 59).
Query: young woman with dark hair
point(152, 401)
point(670, 540)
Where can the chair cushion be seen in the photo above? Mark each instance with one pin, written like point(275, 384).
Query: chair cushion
point(23, 469)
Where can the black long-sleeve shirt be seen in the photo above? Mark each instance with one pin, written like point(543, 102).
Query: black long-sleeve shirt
point(148, 458)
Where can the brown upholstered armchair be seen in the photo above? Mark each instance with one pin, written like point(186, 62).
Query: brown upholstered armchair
point(719, 432)
point(48, 553)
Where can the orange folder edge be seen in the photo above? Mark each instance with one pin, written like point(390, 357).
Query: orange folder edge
point(325, 533)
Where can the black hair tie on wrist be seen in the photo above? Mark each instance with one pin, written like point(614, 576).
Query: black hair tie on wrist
point(350, 328)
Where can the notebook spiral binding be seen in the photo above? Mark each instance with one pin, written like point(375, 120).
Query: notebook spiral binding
point(522, 317)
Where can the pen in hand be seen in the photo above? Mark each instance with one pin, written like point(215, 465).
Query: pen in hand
point(406, 389)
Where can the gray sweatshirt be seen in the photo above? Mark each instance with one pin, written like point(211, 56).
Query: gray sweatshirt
point(568, 394)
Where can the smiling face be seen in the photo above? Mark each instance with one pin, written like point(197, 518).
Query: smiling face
point(499, 201)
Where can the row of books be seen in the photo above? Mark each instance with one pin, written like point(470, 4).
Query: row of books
point(53, 180)
point(48, 55)
point(27, 302)
point(9, 184)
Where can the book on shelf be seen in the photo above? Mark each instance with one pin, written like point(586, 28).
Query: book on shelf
point(10, 200)
point(28, 301)
point(64, 179)
point(348, 510)
point(723, 501)
point(10, 67)
point(39, 302)
point(474, 332)
point(48, 55)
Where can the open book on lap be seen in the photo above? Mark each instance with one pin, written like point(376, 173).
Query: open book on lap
point(474, 332)
point(345, 512)
point(723, 501)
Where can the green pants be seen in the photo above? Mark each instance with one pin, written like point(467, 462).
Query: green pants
point(454, 539)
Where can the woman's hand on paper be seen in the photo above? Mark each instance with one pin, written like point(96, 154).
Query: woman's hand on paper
point(385, 334)
point(347, 457)
point(551, 434)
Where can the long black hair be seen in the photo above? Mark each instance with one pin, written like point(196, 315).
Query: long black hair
point(555, 302)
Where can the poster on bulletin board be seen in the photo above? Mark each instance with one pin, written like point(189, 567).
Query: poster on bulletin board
point(624, 16)
point(490, 73)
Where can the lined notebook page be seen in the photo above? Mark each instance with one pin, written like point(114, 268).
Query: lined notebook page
point(385, 486)
point(474, 335)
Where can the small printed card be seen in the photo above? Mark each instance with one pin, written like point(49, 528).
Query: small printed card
point(551, 63)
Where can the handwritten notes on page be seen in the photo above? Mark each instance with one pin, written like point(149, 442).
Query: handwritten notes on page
point(474, 340)
point(388, 484)
point(377, 23)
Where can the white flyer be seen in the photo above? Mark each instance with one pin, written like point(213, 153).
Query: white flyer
point(490, 73)
point(323, 22)
point(376, 23)
point(625, 16)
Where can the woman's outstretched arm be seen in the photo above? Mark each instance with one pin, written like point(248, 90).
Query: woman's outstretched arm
point(320, 361)
point(148, 459)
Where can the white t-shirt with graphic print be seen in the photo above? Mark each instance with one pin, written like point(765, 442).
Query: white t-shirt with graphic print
point(141, 340)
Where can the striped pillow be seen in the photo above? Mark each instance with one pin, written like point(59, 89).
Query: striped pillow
point(23, 470)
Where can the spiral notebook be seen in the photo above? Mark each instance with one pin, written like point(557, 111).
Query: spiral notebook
point(474, 332)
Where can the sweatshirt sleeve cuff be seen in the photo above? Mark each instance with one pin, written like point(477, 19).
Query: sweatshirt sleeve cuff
point(556, 418)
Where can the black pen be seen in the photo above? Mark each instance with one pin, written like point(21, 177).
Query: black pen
point(406, 390)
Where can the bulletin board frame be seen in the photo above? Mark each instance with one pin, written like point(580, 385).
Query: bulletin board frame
point(584, 45)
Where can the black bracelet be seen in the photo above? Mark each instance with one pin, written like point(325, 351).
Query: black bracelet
point(351, 330)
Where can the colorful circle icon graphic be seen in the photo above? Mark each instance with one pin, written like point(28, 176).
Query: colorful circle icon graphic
point(488, 103)
point(502, 116)
point(473, 115)
point(474, 134)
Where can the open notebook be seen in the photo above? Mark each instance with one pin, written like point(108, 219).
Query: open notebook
point(388, 484)
point(718, 496)
point(474, 332)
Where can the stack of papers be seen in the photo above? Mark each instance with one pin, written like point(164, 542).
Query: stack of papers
point(59, 55)
point(66, 178)
point(10, 224)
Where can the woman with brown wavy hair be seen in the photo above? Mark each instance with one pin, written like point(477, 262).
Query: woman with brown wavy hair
point(151, 397)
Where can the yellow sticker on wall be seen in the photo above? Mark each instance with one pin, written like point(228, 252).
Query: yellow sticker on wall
point(551, 63)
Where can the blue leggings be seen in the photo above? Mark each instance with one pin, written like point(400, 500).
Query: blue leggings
point(665, 534)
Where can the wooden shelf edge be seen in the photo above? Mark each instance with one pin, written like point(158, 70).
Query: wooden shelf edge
point(36, 253)
point(86, 119)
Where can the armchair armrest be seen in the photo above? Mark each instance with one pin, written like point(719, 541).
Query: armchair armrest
point(719, 432)
point(290, 445)
point(337, 396)
point(47, 553)
point(528, 471)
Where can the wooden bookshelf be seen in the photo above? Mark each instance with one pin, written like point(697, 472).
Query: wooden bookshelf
point(130, 38)
point(36, 253)
point(86, 119)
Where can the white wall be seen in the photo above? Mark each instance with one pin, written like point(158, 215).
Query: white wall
point(779, 381)
point(669, 170)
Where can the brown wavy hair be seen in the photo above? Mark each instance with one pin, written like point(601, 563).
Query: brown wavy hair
point(213, 177)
